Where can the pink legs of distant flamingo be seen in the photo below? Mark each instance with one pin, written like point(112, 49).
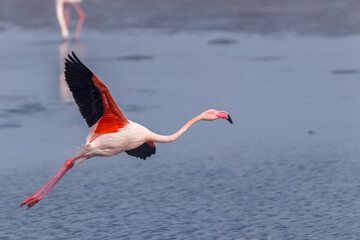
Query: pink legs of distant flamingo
point(110, 131)
point(62, 12)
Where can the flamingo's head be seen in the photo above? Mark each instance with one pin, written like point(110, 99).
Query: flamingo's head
point(212, 114)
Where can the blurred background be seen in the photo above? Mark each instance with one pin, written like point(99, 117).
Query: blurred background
point(286, 71)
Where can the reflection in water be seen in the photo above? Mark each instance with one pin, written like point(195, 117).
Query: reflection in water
point(64, 50)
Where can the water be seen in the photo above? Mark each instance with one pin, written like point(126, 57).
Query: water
point(286, 169)
point(304, 17)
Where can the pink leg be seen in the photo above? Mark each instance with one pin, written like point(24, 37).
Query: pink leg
point(37, 199)
point(67, 15)
point(29, 199)
point(82, 17)
point(32, 200)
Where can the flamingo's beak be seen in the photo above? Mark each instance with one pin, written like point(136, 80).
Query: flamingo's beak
point(223, 114)
point(229, 119)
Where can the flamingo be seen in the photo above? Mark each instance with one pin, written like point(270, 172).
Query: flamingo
point(63, 15)
point(110, 131)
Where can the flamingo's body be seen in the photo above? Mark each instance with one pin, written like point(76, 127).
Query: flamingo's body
point(110, 132)
point(62, 12)
point(129, 137)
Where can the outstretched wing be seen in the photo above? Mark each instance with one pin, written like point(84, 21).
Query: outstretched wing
point(144, 151)
point(93, 98)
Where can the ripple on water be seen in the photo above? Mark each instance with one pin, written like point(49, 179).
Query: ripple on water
point(222, 41)
point(27, 108)
point(134, 58)
point(345, 71)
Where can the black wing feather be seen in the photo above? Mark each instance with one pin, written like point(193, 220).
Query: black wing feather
point(87, 96)
point(142, 152)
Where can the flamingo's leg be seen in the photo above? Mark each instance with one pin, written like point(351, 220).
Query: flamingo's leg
point(82, 17)
point(37, 199)
point(67, 15)
point(67, 166)
point(60, 16)
point(42, 189)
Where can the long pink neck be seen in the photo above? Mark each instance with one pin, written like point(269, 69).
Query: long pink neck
point(173, 137)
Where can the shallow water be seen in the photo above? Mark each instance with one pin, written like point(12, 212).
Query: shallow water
point(302, 17)
point(287, 169)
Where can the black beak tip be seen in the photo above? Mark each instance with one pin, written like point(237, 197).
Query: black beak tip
point(229, 119)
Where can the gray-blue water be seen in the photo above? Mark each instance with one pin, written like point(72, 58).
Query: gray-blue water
point(288, 168)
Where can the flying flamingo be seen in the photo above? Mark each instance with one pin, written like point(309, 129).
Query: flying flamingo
point(63, 15)
point(110, 131)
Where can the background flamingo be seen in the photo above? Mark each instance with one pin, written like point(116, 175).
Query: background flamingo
point(63, 15)
point(110, 132)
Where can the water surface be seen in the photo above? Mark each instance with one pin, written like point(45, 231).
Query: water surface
point(287, 169)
